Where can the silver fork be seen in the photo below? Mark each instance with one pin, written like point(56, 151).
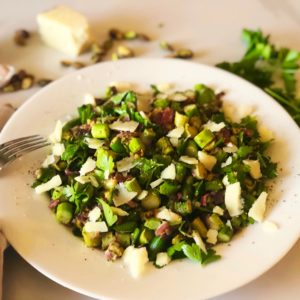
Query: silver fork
point(14, 149)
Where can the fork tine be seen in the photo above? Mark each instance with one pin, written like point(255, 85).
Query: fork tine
point(22, 139)
point(13, 148)
point(25, 150)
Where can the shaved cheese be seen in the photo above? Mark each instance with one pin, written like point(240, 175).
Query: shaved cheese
point(168, 215)
point(233, 201)
point(228, 223)
point(269, 226)
point(264, 133)
point(94, 143)
point(176, 132)
point(212, 235)
point(257, 211)
point(58, 149)
point(130, 126)
point(225, 180)
point(88, 166)
point(55, 136)
point(199, 242)
point(122, 196)
point(230, 148)
point(119, 212)
point(162, 259)
point(82, 179)
point(227, 162)
point(214, 127)
point(207, 160)
point(254, 168)
point(135, 259)
point(49, 185)
point(126, 164)
point(142, 195)
point(143, 114)
point(89, 99)
point(169, 172)
point(95, 227)
point(189, 160)
point(218, 210)
point(49, 160)
point(94, 214)
point(156, 183)
point(174, 142)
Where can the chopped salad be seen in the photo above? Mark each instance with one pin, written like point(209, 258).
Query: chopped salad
point(164, 184)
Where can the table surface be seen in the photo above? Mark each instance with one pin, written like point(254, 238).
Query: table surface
point(211, 28)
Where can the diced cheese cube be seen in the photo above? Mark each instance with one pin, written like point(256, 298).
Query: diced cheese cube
point(233, 201)
point(207, 160)
point(64, 29)
point(95, 227)
point(94, 214)
point(257, 211)
point(212, 236)
point(254, 168)
point(218, 210)
point(135, 259)
point(49, 185)
point(162, 259)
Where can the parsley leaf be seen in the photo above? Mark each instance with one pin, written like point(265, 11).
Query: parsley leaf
point(192, 252)
point(108, 213)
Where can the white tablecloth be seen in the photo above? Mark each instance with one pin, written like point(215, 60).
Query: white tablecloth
point(211, 28)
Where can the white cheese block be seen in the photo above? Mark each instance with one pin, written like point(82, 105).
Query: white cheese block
point(94, 214)
point(88, 166)
point(189, 160)
point(125, 164)
point(49, 185)
point(58, 149)
point(168, 215)
point(214, 127)
point(130, 126)
point(174, 142)
point(49, 160)
point(135, 259)
point(218, 210)
point(162, 259)
point(122, 196)
point(257, 211)
point(212, 236)
point(233, 201)
point(65, 30)
point(230, 148)
point(55, 136)
point(169, 172)
point(95, 227)
point(198, 241)
point(156, 183)
point(207, 160)
point(254, 168)
point(176, 132)
point(89, 99)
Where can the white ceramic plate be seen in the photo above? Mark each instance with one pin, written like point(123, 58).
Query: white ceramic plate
point(48, 246)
